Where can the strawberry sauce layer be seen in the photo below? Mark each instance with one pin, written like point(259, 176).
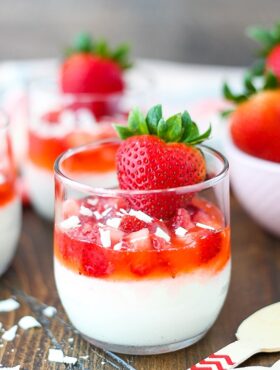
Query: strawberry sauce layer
point(7, 192)
point(45, 145)
point(104, 238)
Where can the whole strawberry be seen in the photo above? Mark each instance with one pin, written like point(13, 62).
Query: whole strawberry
point(92, 68)
point(159, 154)
point(255, 120)
point(255, 125)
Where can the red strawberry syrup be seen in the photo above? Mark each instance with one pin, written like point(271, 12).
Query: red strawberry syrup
point(45, 148)
point(7, 191)
point(141, 250)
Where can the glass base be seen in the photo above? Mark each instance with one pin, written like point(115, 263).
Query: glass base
point(145, 350)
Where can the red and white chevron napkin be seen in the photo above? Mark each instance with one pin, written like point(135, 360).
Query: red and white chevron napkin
point(258, 333)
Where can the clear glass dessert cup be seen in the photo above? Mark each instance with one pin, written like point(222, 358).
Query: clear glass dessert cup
point(10, 205)
point(131, 282)
point(59, 121)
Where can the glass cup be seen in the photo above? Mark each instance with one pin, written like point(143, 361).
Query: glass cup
point(10, 206)
point(131, 282)
point(59, 121)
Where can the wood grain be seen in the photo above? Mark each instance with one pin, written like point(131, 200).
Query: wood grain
point(255, 283)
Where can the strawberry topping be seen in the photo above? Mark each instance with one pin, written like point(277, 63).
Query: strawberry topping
point(159, 154)
point(105, 244)
point(92, 68)
point(131, 224)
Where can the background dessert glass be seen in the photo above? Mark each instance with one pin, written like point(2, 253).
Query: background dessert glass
point(10, 206)
point(60, 121)
point(155, 290)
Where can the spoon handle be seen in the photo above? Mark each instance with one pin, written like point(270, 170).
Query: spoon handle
point(228, 357)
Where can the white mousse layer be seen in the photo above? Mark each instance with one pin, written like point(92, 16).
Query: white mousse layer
point(142, 313)
point(10, 225)
point(40, 184)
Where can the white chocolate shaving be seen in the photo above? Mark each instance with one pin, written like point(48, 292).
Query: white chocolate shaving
point(105, 238)
point(56, 355)
point(162, 234)
point(28, 322)
point(69, 360)
point(180, 231)
point(10, 334)
point(114, 222)
point(140, 215)
point(203, 226)
point(8, 305)
point(49, 311)
point(86, 211)
point(71, 222)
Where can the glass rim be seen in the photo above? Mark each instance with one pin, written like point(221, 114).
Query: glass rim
point(50, 84)
point(4, 120)
point(98, 191)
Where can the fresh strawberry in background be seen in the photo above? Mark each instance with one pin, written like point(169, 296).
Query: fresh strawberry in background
point(270, 53)
point(255, 120)
point(160, 154)
point(91, 67)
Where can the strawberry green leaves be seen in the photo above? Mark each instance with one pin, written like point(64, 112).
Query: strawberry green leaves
point(178, 128)
point(137, 122)
point(262, 75)
point(268, 38)
point(252, 84)
point(170, 130)
point(153, 117)
point(191, 133)
point(83, 43)
point(136, 125)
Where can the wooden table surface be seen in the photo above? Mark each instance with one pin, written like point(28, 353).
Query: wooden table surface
point(254, 284)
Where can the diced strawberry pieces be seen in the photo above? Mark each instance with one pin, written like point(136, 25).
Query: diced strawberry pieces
point(130, 224)
point(160, 234)
point(94, 261)
point(52, 116)
point(142, 263)
point(141, 254)
point(201, 217)
point(107, 244)
point(115, 235)
point(210, 246)
point(139, 240)
point(204, 220)
point(182, 219)
point(70, 249)
point(159, 243)
point(90, 232)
